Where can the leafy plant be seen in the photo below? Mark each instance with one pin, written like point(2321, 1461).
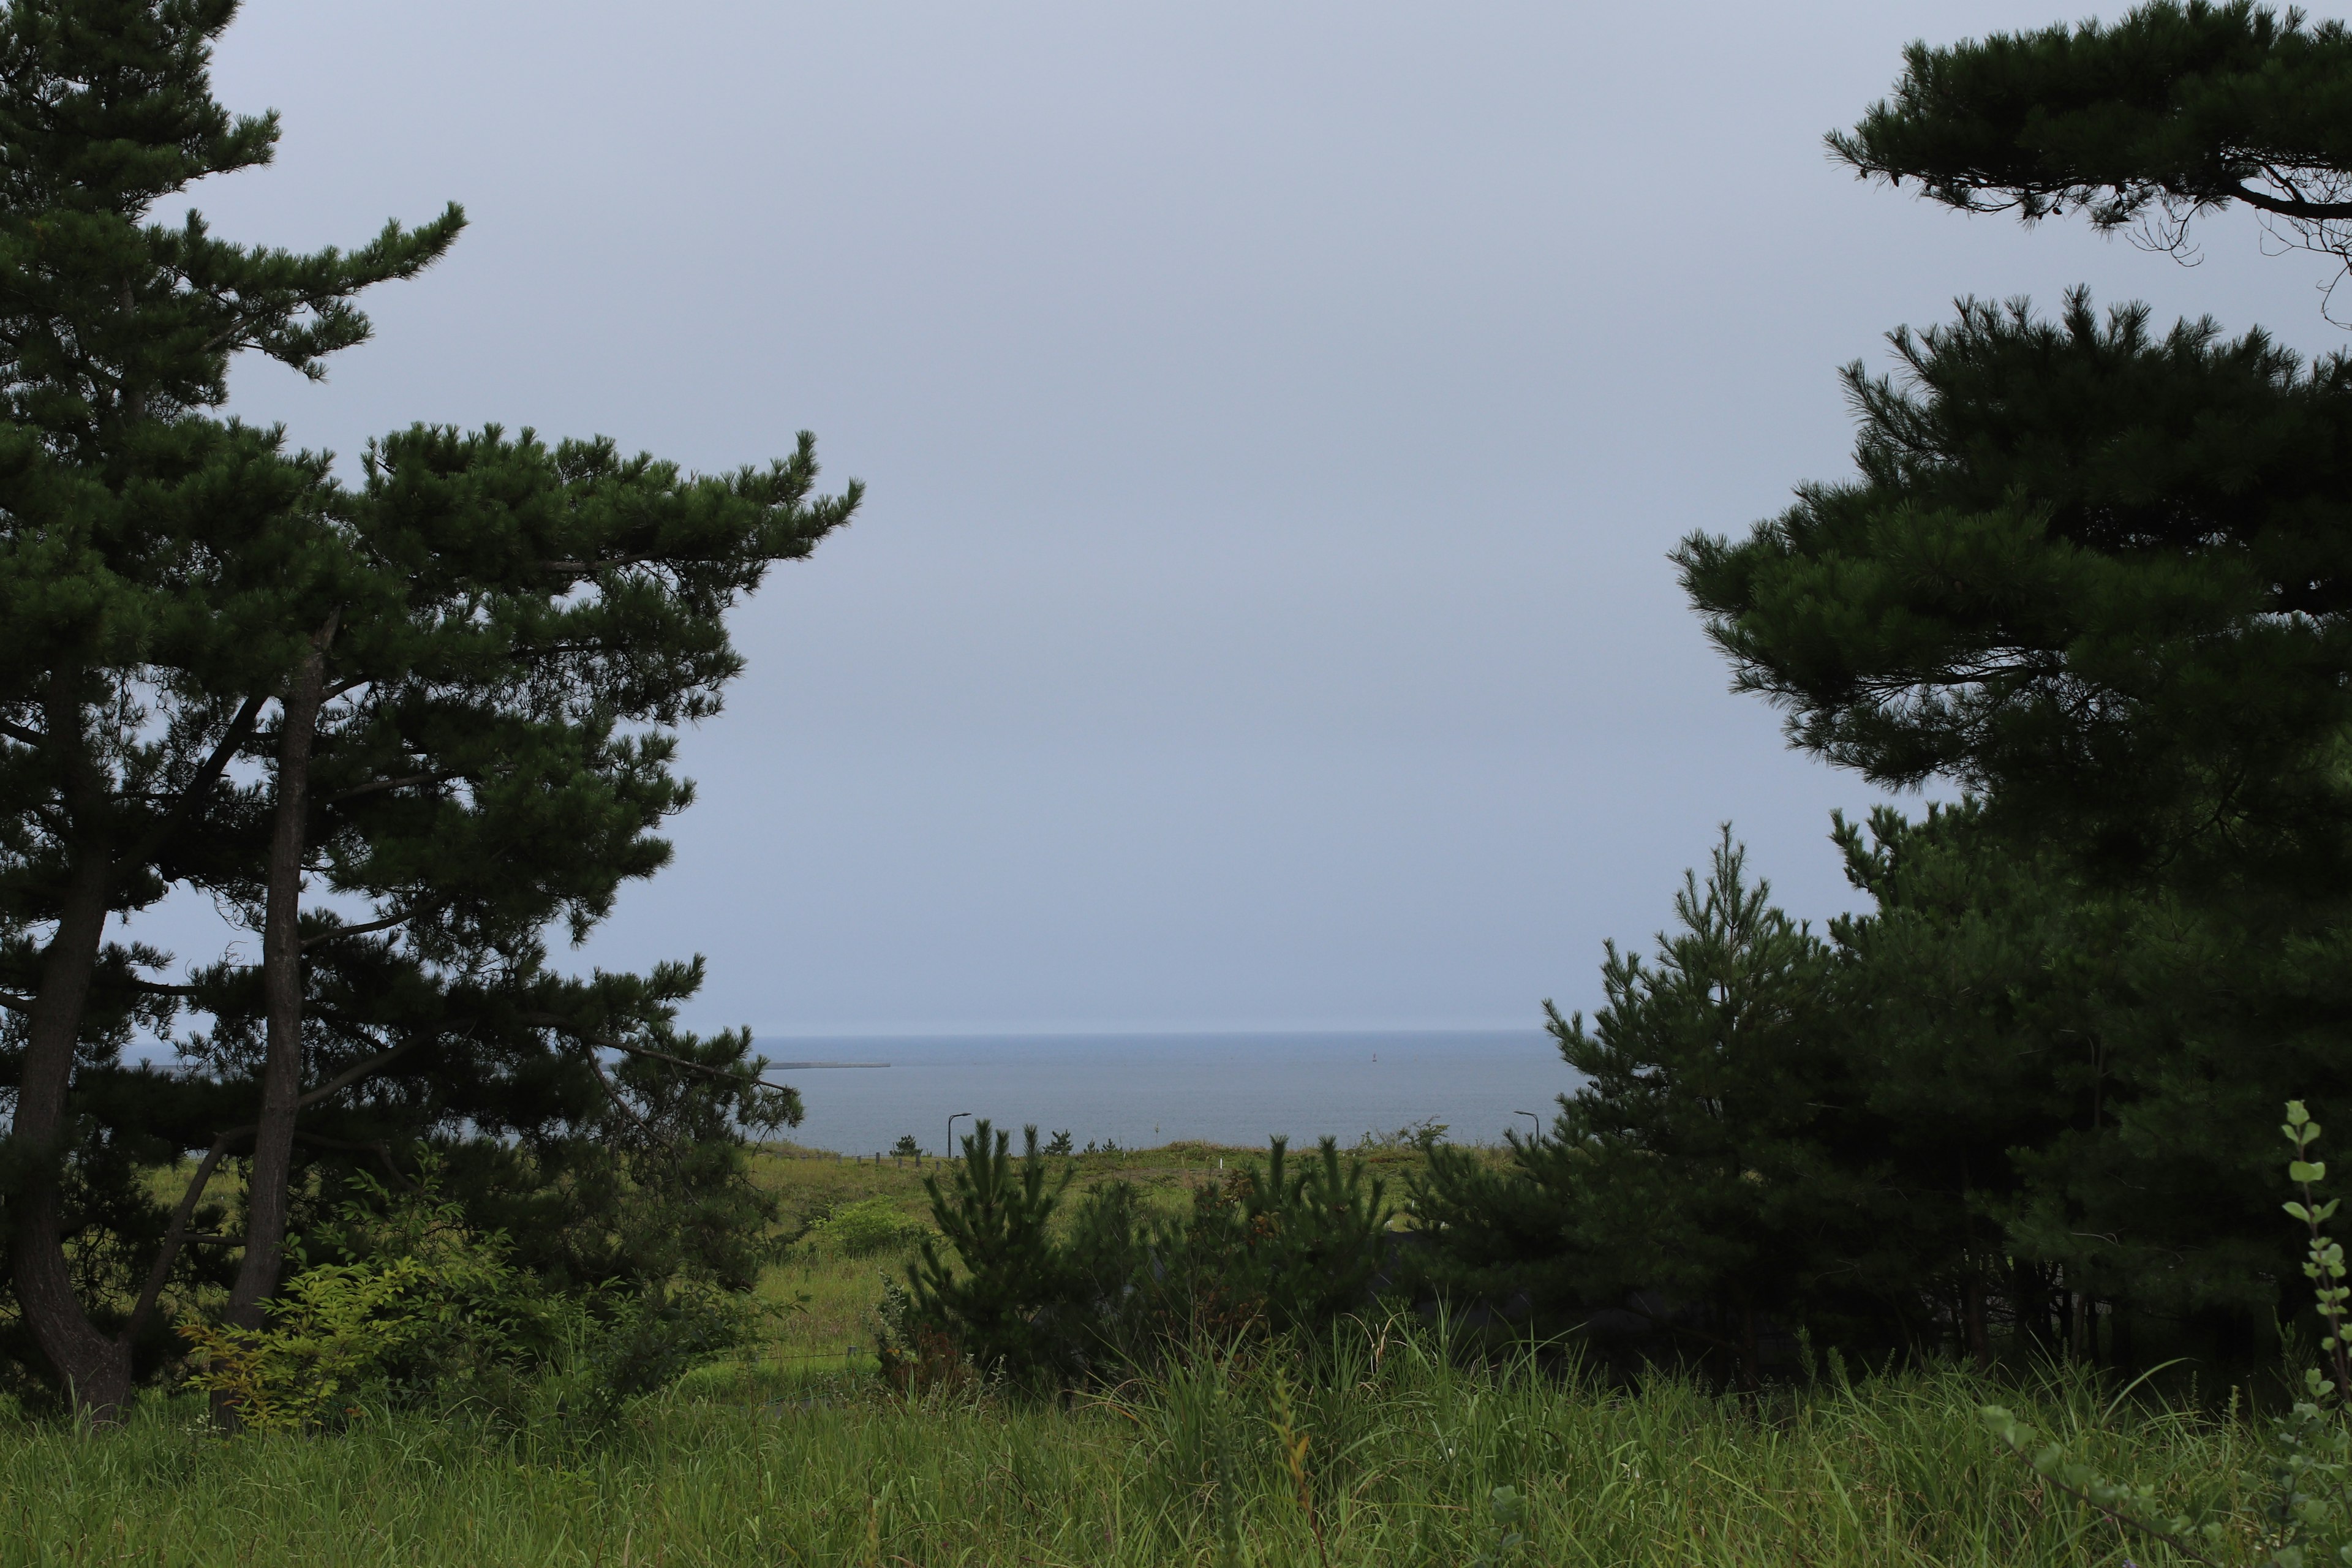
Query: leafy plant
point(1507, 1512)
point(906, 1148)
point(419, 1306)
point(417, 1284)
point(869, 1226)
point(2309, 1453)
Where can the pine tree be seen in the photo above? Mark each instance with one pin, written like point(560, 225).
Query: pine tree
point(495, 752)
point(1709, 1153)
point(2174, 112)
point(1992, 1009)
point(134, 527)
point(458, 683)
point(2097, 575)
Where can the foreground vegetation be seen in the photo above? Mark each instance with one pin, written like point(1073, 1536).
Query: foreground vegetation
point(1383, 1440)
point(1394, 1456)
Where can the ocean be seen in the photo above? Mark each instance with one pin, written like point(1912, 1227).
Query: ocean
point(1143, 1089)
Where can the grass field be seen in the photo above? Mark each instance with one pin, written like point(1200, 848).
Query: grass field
point(1401, 1464)
point(797, 1454)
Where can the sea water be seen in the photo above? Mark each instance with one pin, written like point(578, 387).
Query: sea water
point(1144, 1090)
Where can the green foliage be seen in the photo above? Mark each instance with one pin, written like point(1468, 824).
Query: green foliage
point(2175, 110)
point(1408, 1445)
point(1270, 1248)
point(417, 1307)
point(1278, 1247)
point(2094, 573)
point(1423, 1135)
point(2005, 1096)
point(2309, 1454)
point(997, 1298)
point(906, 1148)
point(504, 634)
point(869, 1226)
point(1710, 1153)
point(417, 1292)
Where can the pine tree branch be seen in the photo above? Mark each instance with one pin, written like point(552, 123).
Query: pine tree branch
point(380, 1149)
point(176, 1234)
point(2291, 206)
point(613, 1092)
point(363, 928)
point(17, 731)
point(382, 784)
point(706, 1068)
point(183, 809)
point(734, 1075)
point(356, 1071)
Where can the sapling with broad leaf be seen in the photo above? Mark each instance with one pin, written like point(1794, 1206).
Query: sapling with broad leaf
point(2309, 1518)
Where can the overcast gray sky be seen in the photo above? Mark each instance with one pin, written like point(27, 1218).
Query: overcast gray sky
point(1276, 417)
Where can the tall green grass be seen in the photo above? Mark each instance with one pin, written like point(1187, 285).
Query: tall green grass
point(1403, 1457)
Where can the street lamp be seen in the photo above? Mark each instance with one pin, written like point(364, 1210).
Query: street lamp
point(948, 1153)
point(1534, 1118)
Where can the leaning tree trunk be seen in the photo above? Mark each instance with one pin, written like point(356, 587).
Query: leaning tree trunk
point(95, 1370)
point(268, 1175)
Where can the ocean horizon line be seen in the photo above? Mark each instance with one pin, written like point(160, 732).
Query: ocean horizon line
point(1200, 1032)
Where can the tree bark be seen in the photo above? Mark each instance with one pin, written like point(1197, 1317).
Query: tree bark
point(2029, 1299)
point(1972, 1313)
point(95, 1370)
point(269, 1172)
point(94, 1367)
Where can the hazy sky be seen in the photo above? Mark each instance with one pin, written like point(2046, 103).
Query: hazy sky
point(1276, 416)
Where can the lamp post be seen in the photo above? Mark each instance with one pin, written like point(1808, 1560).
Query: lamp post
point(1534, 1118)
point(948, 1153)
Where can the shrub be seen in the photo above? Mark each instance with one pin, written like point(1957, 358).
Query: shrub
point(419, 1308)
point(1273, 1248)
point(869, 1226)
point(417, 1297)
point(1270, 1249)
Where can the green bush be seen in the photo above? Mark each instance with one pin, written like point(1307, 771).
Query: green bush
point(417, 1298)
point(869, 1226)
point(417, 1309)
point(1273, 1247)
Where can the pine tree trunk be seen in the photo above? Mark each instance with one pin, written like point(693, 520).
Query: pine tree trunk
point(2029, 1300)
point(269, 1173)
point(95, 1370)
point(1972, 1314)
